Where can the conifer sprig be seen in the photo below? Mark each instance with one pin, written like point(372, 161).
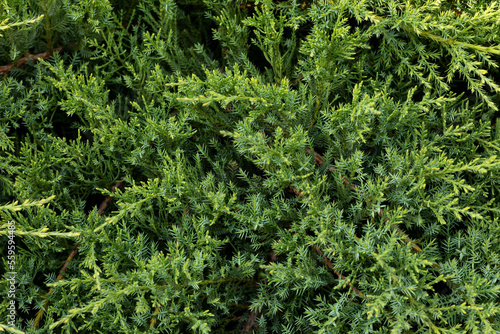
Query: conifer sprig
point(6, 25)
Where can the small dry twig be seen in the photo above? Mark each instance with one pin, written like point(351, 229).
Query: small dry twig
point(252, 317)
point(33, 57)
point(332, 267)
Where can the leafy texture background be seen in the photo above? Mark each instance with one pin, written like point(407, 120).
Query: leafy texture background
point(256, 166)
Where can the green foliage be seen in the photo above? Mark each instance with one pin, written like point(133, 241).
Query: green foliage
point(211, 113)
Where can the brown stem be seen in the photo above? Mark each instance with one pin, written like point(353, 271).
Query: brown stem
point(339, 274)
point(33, 57)
point(252, 317)
point(319, 160)
point(108, 199)
point(297, 192)
point(152, 323)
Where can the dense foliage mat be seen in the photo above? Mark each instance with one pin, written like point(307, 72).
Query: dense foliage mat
point(258, 166)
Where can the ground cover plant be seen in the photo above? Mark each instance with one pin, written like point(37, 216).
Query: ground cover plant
point(266, 166)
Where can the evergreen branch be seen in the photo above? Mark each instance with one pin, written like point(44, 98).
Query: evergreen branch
point(316, 248)
point(42, 233)
point(100, 212)
point(326, 260)
point(377, 19)
point(153, 321)
point(319, 160)
point(206, 100)
point(114, 219)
